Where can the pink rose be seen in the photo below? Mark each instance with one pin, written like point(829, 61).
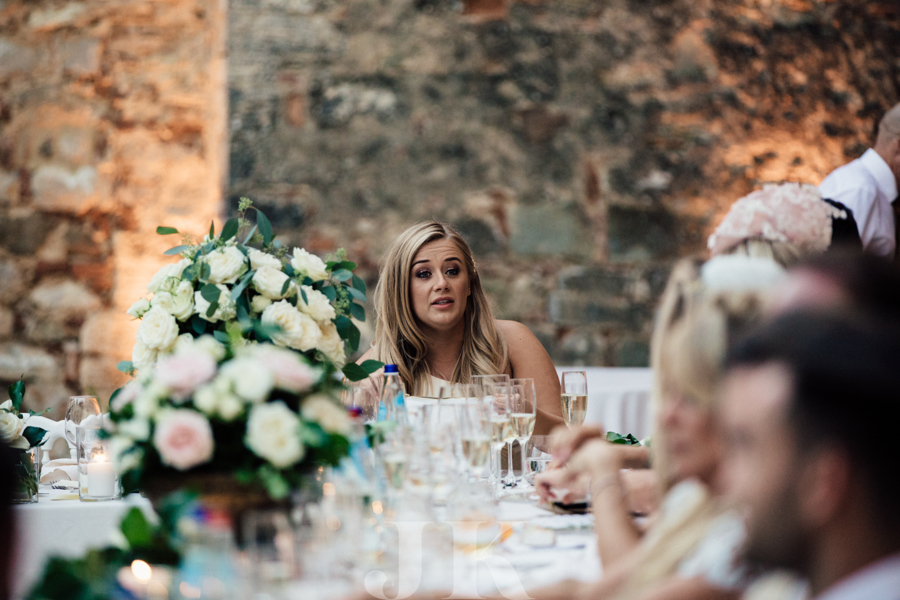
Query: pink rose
point(289, 372)
point(184, 373)
point(183, 439)
point(130, 391)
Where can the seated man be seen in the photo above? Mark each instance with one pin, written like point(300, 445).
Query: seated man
point(810, 410)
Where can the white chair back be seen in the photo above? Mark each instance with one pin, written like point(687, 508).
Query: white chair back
point(55, 430)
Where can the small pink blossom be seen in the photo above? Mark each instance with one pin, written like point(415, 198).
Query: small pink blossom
point(130, 391)
point(289, 372)
point(184, 373)
point(183, 439)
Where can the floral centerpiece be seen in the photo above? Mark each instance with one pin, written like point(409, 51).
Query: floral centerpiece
point(225, 287)
point(24, 440)
point(235, 359)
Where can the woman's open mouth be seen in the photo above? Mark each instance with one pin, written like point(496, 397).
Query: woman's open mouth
point(442, 303)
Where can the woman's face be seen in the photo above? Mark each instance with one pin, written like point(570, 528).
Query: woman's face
point(439, 285)
point(691, 438)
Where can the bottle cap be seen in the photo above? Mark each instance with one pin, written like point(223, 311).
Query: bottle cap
point(390, 369)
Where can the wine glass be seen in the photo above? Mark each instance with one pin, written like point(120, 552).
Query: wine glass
point(574, 397)
point(81, 410)
point(485, 385)
point(496, 404)
point(475, 434)
point(362, 395)
point(523, 409)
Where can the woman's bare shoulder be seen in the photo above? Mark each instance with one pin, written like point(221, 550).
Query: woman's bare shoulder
point(366, 356)
point(514, 331)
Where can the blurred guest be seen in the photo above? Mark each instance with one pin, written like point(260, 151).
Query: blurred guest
point(868, 186)
point(810, 414)
point(7, 529)
point(784, 222)
point(434, 321)
point(842, 280)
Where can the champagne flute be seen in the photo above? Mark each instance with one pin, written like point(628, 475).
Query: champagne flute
point(497, 406)
point(523, 415)
point(515, 392)
point(475, 430)
point(485, 386)
point(450, 398)
point(80, 410)
point(574, 397)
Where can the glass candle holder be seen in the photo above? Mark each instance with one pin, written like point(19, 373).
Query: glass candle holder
point(97, 477)
point(28, 476)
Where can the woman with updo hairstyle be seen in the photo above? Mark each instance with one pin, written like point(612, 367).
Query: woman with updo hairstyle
point(434, 321)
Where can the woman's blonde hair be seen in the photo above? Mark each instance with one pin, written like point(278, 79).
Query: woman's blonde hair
point(785, 254)
point(399, 339)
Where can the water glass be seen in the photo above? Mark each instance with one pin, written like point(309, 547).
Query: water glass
point(537, 456)
point(364, 396)
point(81, 410)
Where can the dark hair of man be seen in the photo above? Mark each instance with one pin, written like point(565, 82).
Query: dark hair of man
point(846, 393)
point(871, 282)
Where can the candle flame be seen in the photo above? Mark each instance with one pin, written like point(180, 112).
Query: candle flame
point(141, 570)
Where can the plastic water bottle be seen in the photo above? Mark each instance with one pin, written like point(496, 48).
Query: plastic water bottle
point(392, 397)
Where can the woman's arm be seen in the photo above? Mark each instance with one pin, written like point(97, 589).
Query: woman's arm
point(528, 358)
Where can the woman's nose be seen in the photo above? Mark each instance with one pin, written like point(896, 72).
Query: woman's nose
point(440, 282)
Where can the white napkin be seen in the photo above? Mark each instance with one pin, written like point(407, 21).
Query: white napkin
point(60, 469)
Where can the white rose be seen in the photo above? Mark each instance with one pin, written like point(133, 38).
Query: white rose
point(137, 429)
point(226, 264)
point(273, 433)
point(158, 329)
point(183, 343)
point(182, 301)
point(259, 303)
point(298, 331)
point(218, 399)
point(331, 344)
point(226, 310)
point(309, 264)
point(143, 357)
point(147, 404)
point(11, 427)
point(260, 259)
point(125, 456)
point(138, 309)
point(250, 378)
point(317, 305)
point(162, 279)
point(211, 346)
point(269, 282)
point(330, 417)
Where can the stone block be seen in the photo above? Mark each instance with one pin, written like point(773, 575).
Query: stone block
point(597, 281)
point(33, 362)
point(110, 333)
point(633, 353)
point(16, 58)
point(49, 19)
point(99, 377)
point(64, 297)
point(24, 235)
point(98, 275)
point(9, 186)
point(547, 230)
point(636, 234)
point(486, 9)
point(7, 322)
point(12, 282)
point(57, 188)
point(81, 56)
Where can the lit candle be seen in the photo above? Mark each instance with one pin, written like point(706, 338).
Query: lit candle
point(101, 477)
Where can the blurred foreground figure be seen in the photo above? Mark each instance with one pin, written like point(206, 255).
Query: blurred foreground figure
point(810, 409)
point(868, 186)
point(7, 529)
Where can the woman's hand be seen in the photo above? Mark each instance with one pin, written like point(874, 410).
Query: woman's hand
point(564, 441)
point(560, 485)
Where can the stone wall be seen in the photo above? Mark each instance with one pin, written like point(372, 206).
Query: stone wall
point(579, 145)
point(112, 121)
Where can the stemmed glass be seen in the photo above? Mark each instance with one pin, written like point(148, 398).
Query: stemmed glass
point(574, 397)
point(81, 410)
point(362, 395)
point(475, 434)
point(485, 386)
point(497, 406)
point(523, 412)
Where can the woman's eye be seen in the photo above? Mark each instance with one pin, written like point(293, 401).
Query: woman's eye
point(423, 274)
point(452, 271)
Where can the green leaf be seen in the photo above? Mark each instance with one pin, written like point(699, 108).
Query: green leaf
point(210, 292)
point(205, 271)
point(242, 285)
point(289, 270)
point(354, 372)
point(303, 295)
point(348, 331)
point(330, 293)
point(221, 336)
point(213, 307)
point(198, 324)
point(370, 366)
point(274, 482)
point(358, 283)
point(357, 295)
point(17, 393)
point(229, 230)
point(250, 235)
point(342, 275)
point(126, 366)
point(176, 250)
point(357, 312)
point(285, 287)
point(166, 230)
point(265, 227)
point(212, 229)
point(34, 435)
point(137, 529)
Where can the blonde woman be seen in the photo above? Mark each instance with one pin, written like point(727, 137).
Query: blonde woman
point(689, 549)
point(434, 321)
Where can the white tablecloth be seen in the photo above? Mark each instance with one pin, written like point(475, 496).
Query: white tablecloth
point(619, 399)
point(65, 528)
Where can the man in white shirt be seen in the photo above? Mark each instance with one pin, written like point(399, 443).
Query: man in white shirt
point(868, 186)
point(810, 413)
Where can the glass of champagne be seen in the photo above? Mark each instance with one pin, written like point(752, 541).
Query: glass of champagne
point(523, 412)
point(81, 410)
point(574, 397)
point(485, 389)
point(497, 406)
point(475, 429)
